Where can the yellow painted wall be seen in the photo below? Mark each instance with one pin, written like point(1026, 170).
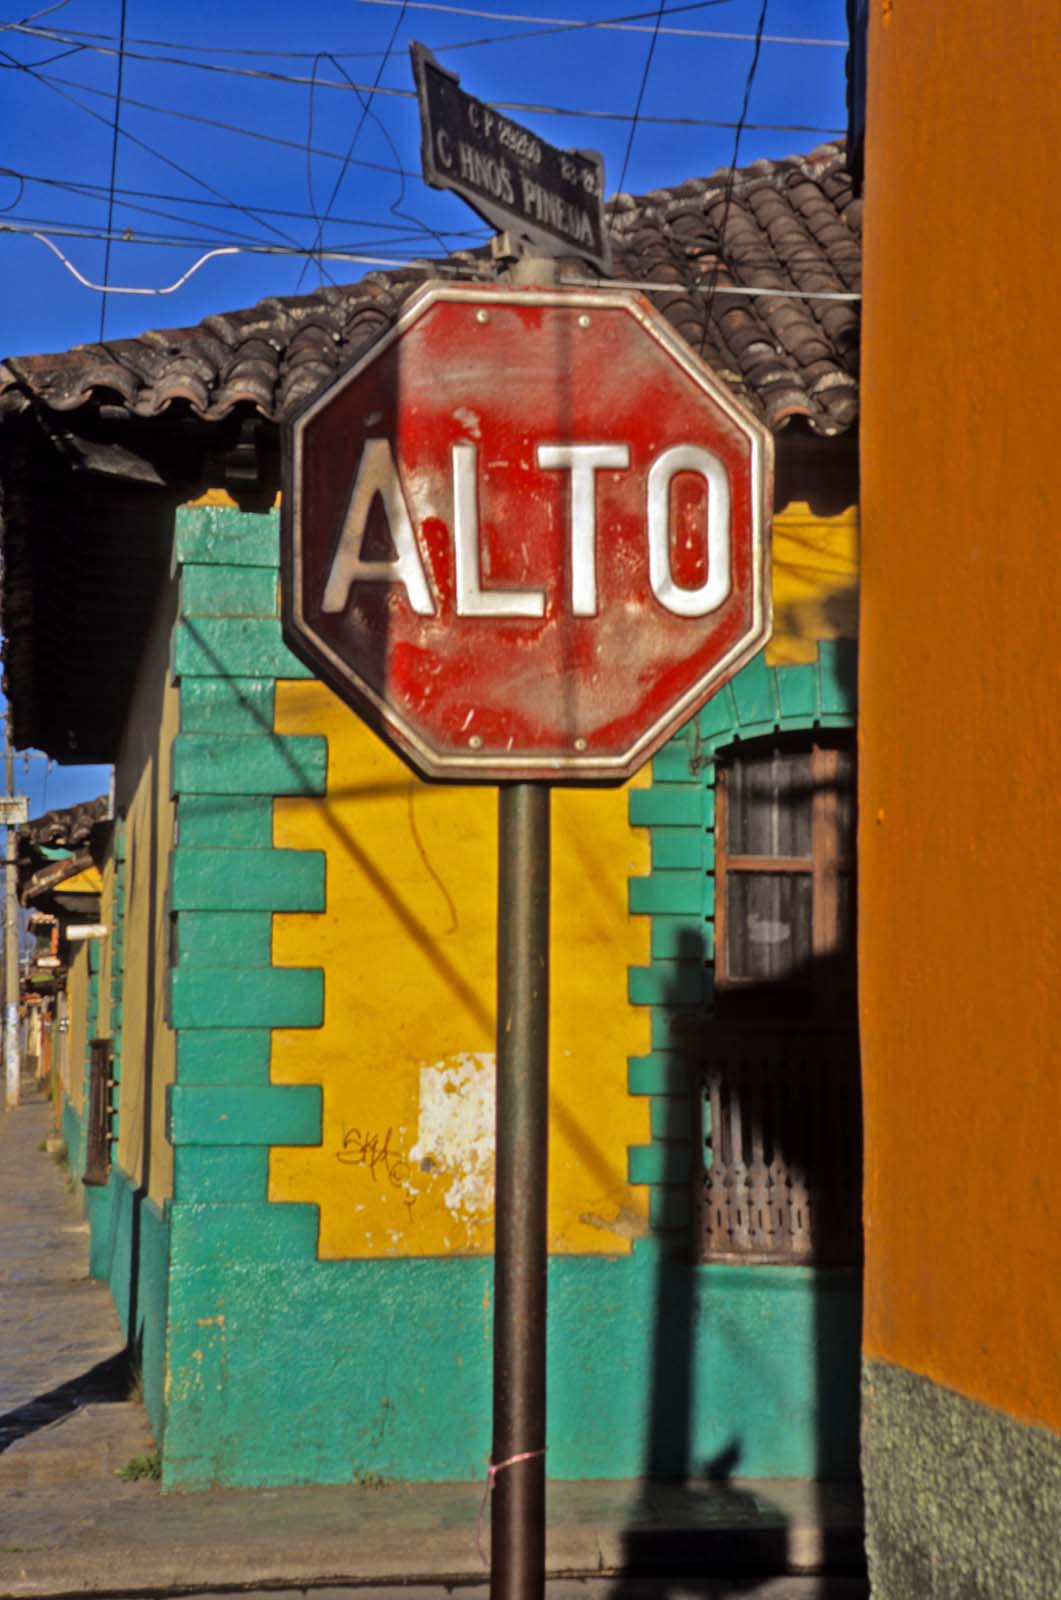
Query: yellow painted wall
point(77, 1032)
point(408, 947)
point(814, 581)
point(406, 1052)
point(142, 796)
point(87, 882)
point(106, 952)
point(960, 935)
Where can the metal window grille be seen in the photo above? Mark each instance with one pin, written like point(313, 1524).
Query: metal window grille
point(98, 1134)
point(780, 1179)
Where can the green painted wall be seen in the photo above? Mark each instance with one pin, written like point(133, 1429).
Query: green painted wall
point(130, 1252)
point(281, 1368)
point(73, 1138)
point(286, 1369)
point(818, 1366)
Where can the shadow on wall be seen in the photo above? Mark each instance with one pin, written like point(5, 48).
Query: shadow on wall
point(693, 1519)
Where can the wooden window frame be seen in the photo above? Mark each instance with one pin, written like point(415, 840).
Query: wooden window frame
point(823, 866)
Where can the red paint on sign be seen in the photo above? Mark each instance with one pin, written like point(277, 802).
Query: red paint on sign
point(497, 531)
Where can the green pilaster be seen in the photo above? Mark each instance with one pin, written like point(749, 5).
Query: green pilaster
point(678, 895)
point(226, 996)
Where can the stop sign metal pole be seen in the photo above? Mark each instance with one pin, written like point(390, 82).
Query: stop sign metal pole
point(517, 1522)
point(517, 1471)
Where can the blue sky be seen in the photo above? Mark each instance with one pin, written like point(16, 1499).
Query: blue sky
point(238, 187)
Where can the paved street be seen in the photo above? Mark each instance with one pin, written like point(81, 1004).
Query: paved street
point(69, 1526)
point(60, 1343)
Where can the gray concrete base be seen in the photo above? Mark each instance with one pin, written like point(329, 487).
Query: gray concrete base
point(962, 1502)
point(100, 1536)
point(69, 1526)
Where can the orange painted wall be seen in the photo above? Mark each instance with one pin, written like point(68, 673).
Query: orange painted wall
point(960, 916)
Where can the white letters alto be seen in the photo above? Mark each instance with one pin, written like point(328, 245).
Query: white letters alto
point(472, 599)
point(715, 589)
point(377, 474)
point(584, 461)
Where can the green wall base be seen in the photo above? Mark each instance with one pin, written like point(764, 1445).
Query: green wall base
point(288, 1370)
point(129, 1251)
point(74, 1139)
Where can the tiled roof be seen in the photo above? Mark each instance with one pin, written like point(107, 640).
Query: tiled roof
point(791, 224)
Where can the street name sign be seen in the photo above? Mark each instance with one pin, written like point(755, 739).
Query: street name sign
point(525, 534)
point(550, 198)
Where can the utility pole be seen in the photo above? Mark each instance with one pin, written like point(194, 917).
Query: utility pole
point(12, 1064)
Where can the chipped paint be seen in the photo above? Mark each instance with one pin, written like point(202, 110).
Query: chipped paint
point(455, 1137)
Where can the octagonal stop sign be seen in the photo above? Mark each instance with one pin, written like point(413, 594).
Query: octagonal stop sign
point(525, 535)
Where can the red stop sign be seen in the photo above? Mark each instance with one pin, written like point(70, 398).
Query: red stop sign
point(525, 535)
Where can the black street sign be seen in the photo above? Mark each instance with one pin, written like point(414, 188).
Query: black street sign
point(551, 198)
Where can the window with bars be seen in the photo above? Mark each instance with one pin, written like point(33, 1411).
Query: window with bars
point(99, 1136)
point(784, 865)
point(781, 1176)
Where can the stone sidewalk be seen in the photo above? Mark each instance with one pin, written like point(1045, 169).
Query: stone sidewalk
point(69, 1526)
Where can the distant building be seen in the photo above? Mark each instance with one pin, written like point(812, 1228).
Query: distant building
point(297, 985)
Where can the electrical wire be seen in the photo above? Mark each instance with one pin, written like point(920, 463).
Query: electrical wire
point(8, 27)
point(463, 269)
point(615, 24)
point(648, 286)
point(810, 255)
point(88, 190)
point(351, 250)
point(748, 82)
point(396, 205)
point(630, 22)
point(114, 169)
point(355, 136)
point(313, 82)
point(50, 81)
point(640, 93)
point(142, 144)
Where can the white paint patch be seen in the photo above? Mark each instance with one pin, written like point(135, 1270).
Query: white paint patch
point(455, 1135)
point(469, 421)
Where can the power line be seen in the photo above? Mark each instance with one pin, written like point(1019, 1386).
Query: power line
point(640, 93)
point(402, 249)
point(365, 104)
point(351, 250)
point(533, 107)
point(50, 81)
point(6, 27)
point(464, 269)
point(630, 22)
point(395, 207)
point(616, 24)
point(749, 80)
point(114, 168)
point(290, 251)
point(142, 144)
point(85, 188)
point(807, 256)
point(650, 286)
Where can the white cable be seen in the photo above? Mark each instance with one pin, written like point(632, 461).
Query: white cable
point(209, 255)
point(598, 27)
point(704, 288)
point(647, 287)
point(113, 288)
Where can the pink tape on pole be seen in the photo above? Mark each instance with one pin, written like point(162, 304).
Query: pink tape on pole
point(491, 1478)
